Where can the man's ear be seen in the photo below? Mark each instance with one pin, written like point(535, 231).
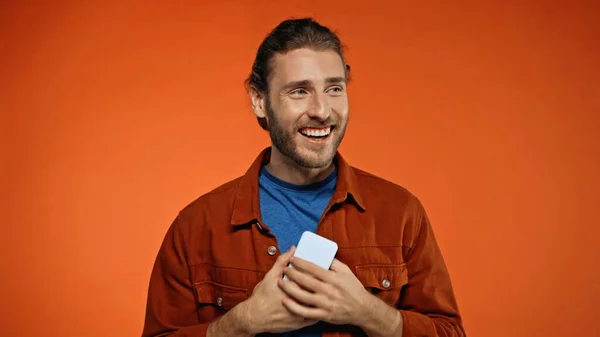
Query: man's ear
point(258, 101)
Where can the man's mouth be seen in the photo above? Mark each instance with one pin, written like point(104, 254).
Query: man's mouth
point(316, 133)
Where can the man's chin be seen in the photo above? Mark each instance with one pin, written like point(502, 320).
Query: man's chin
point(315, 159)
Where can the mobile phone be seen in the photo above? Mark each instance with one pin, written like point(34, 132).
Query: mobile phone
point(316, 249)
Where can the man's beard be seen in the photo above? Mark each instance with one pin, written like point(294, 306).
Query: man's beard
point(284, 142)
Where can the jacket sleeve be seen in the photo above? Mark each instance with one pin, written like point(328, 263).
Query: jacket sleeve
point(171, 303)
point(427, 305)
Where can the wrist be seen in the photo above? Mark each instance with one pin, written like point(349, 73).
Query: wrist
point(235, 322)
point(366, 310)
point(242, 320)
point(378, 314)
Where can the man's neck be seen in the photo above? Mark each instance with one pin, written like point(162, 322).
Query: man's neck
point(286, 169)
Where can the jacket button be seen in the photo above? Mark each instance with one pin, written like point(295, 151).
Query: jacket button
point(272, 250)
point(220, 301)
point(386, 283)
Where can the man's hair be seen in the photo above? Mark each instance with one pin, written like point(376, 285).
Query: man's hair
point(290, 35)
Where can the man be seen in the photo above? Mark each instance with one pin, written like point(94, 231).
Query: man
point(219, 270)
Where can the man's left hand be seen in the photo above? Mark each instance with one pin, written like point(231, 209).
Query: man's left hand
point(334, 296)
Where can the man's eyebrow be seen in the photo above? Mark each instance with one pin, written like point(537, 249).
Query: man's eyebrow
point(303, 83)
point(294, 84)
point(335, 80)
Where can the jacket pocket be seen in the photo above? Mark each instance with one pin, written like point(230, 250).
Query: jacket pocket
point(219, 295)
point(383, 280)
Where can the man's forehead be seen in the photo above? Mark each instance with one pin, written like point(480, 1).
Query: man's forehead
point(307, 65)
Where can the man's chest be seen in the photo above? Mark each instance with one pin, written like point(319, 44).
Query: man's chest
point(227, 262)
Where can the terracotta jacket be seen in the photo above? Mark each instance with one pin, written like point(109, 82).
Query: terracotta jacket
point(217, 249)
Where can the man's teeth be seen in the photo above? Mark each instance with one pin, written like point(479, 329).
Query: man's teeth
point(316, 132)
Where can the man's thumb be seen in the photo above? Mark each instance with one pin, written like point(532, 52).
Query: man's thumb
point(284, 259)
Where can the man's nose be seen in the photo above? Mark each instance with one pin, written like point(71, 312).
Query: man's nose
point(319, 108)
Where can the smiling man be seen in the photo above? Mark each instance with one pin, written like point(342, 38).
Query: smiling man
point(219, 270)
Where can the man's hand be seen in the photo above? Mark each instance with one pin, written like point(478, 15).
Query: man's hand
point(264, 309)
point(335, 296)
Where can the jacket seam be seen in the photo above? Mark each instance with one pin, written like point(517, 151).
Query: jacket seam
point(187, 260)
point(376, 246)
point(419, 219)
point(222, 267)
point(184, 247)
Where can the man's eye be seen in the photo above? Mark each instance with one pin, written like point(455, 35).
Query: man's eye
point(299, 92)
point(336, 89)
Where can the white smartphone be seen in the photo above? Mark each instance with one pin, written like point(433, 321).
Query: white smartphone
point(316, 249)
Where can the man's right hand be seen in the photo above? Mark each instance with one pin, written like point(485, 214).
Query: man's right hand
point(263, 311)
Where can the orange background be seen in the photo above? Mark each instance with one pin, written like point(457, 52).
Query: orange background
point(116, 116)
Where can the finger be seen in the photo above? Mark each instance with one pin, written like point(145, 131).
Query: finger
point(310, 268)
point(308, 322)
point(300, 322)
point(295, 291)
point(256, 286)
point(285, 257)
point(339, 266)
point(298, 309)
point(304, 322)
point(304, 280)
point(282, 261)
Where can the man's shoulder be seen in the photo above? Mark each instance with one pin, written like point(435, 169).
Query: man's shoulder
point(373, 181)
point(375, 188)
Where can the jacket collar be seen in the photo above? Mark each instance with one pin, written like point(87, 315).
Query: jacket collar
point(246, 207)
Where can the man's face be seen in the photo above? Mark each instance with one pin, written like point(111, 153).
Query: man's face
point(307, 107)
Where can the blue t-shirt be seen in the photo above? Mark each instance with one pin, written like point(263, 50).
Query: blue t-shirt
point(289, 210)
